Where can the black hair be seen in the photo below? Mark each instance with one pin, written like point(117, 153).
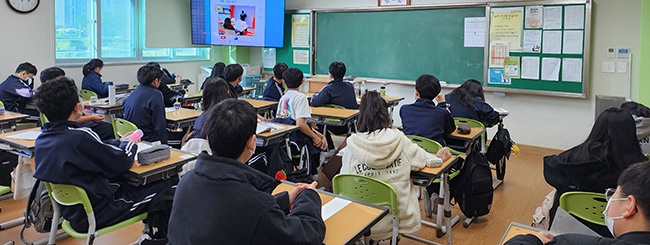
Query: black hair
point(153, 63)
point(28, 67)
point(278, 69)
point(232, 72)
point(373, 113)
point(634, 181)
point(293, 77)
point(468, 91)
point(217, 70)
point(148, 73)
point(636, 109)
point(51, 73)
point(57, 98)
point(337, 70)
point(428, 86)
point(612, 140)
point(216, 90)
point(91, 65)
point(229, 126)
point(227, 24)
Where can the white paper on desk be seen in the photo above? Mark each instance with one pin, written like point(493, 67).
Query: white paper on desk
point(553, 18)
point(551, 69)
point(574, 17)
point(474, 32)
point(530, 68)
point(534, 16)
point(571, 70)
point(572, 42)
point(552, 42)
point(169, 109)
point(29, 135)
point(532, 41)
point(332, 207)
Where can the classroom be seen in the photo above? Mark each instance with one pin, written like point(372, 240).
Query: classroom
point(544, 119)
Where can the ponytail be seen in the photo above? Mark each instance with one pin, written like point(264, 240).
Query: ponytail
point(91, 65)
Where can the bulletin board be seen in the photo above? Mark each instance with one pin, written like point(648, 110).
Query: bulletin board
point(297, 42)
point(539, 47)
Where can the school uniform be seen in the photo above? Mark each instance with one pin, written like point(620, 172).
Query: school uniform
point(16, 94)
point(232, 204)
point(170, 96)
point(234, 91)
point(481, 111)
point(66, 153)
point(336, 92)
point(146, 109)
point(198, 126)
point(630, 238)
point(424, 118)
point(93, 82)
point(273, 91)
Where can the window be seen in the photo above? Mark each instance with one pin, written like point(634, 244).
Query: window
point(110, 30)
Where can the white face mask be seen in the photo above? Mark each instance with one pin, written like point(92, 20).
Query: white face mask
point(609, 221)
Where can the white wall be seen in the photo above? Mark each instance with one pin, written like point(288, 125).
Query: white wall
point(539, 120)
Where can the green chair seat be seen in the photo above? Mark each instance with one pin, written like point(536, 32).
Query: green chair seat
point(588, 206)
point(87, 94)
point(122, 127)
point(4, 189)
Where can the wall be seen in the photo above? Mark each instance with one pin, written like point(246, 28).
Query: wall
point(539, 120)
point(644, 82)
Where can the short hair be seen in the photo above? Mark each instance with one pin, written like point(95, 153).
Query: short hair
point(91, 65)
point(153, 63)
point(337, 70)
point(229, 126)
point(148, 73)
point(215, 90)
point(57, 98)
point(278, 69)
point(636, 109)
point(373, 113)
point(232, 72)
point(635, 181)
point(428, 86)
point(293, 77)
point(51, 73)
point(28, 67)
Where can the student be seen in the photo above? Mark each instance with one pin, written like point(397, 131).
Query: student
point(233, 75)
point(386, 154)
point(468, 101)
point(627, 214)
point(596, 164)
point(169, 96)
point(66, 153)
point(93, 79)
point(227, 24)
point(425, 118)
point(641, 115)
point(216, 90)
point(16, 91)
point(275, 84)
point(293, 108)
point(243, 16)
point(232, 202)
point(145, 107)
point(217, 72)
point(93, 121)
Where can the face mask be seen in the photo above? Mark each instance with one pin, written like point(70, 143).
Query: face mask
point(609, 221)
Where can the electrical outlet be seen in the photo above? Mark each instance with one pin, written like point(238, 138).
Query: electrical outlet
point(621, 67)
point(609, 67)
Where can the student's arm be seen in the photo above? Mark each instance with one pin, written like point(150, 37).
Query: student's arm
point(90, 118)
point(282, 199)
point(486, 113)
point(168, 94)
point(317, 138)
point(417, 156)
point(528, 239)
point(109, 159)
point(321, 98)
point(450, 125)
point(159, 119)
point(101, 88)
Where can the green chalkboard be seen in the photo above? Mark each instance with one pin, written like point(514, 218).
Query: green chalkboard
point(285, 54)
point(399, 44)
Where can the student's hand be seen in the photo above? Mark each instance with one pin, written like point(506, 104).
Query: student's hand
point(96, 117)
point(544, 236)
point(127, 137)
point(444, 154)
point(318, 142)
point(440, 98)
point(261, 118)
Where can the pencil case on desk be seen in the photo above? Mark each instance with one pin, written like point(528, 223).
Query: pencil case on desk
point(154, 154)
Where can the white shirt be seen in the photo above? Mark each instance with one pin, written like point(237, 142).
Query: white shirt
point(293, 105)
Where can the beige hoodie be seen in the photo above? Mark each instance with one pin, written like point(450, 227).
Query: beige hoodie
point(643, 133)
point(389, 156)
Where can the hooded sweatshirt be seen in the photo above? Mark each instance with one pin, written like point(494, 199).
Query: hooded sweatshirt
point(643, 133)
point(389, 156)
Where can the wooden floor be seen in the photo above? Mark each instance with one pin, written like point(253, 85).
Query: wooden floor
point(523, 190)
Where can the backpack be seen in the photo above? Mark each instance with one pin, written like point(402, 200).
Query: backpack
point(474, 196)
point(500, 148)
point(274, 160)
point(39, 212)
point(159, 211)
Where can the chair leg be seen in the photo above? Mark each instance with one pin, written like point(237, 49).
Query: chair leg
point(393, 240)
point(55, 223)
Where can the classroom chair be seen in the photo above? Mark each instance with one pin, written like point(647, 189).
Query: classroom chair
point(122, 127)
point(87, 94)
point(69, 195)
point(588, 206)
point(43, 118)
point(334, 120)
point(4, 189)
point(473, 124)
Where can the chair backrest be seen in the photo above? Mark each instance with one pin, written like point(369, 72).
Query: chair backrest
point(471, 122)
point(122, 127)
point(69, 195)
point(366, 189)
point(427, 144)
point(334, 106)
point(2, 104)
point(588, 206)
point(87, 94)
point(43, 118)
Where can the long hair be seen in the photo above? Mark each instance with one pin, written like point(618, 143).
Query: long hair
point(215, 91)
point(636, 109)
point(468, 91)
point(612, 140)
point(373, 113)
point(91, 65)
point(217, 69)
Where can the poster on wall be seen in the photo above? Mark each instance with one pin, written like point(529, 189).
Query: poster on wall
point(498, 52)
point(496, 76)
point(511, 67)
point(534, 16)
point(474, 32)
point(506, 25)
point(268, 57)
point(300, 31)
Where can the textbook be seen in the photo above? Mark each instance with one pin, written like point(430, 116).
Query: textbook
point(266, 127)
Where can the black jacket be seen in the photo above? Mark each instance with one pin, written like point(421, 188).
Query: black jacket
point(580, 239)
point(481, 111)
point(336, 92)
point(424, 118)
point(227, 202)
point(145, 108)
point(8, 95)
point(170, 96)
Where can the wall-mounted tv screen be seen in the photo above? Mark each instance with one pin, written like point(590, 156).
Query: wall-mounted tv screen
point(255, 23)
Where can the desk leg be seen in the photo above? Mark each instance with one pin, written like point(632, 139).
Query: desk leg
point(449, 223)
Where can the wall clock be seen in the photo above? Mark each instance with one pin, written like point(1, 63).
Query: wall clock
point(23, 6)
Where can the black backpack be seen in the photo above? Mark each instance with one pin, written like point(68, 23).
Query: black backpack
point(474, 195)
point(500, 149)
point(39, 212)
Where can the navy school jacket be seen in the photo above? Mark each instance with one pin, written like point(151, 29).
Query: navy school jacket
point(424, 118)
point(146, 109)
point(273, 91)
point(93, 82)
point(336, 92)
point(481, 111)
point(8, 95)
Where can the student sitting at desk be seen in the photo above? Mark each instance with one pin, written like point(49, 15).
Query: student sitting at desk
point(67, 153)
point(595, 165)
point(233, 75)
point(627, 214)
point(217, 72)
point(384, 153)
point(275, 85)
point(216, 90)
point(16, 91)
point(145, 107)
point(225, 201)
point(425, 118)
point(641, 115)
point(93, 79)
point(169, 96)
point(468, 101)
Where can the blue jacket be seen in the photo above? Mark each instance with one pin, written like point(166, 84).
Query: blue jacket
point(198, 125)
point(424, 118)
point(8, 95)
point(336, 92)
point(232, 204)
point(273, 91)
point(234, 90)
point(93, 82)
point(146, 109)
point(481, 111)
point(66, 153)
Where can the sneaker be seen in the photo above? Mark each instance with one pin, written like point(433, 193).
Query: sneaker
point(427, 205)
point(145, 239)
point(434, 203)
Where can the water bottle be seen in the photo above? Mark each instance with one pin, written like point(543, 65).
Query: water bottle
point(177, 105)
point(382, 91)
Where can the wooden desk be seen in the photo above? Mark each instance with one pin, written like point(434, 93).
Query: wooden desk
point(515, 229)
point(471, 140)
point(19, 147)
point(276, 135)
point(263, 107)
point(110, 111)
point(10, 119)
point(175, 86)
point(350, 223)
point(326, 112)
point(246, 92)
point(192, 98)
point(317, 83)
point(141, 175)
point(390, 101)
point(182, 118)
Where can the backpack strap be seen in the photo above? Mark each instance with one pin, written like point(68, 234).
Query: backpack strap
point(30, 201)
